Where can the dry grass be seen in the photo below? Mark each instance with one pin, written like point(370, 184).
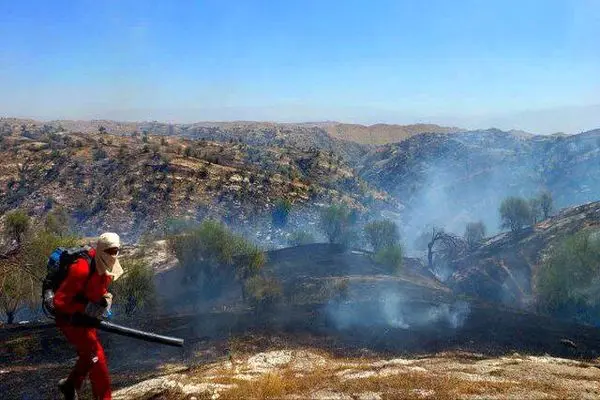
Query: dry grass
point(400, 386)
point(440, 383)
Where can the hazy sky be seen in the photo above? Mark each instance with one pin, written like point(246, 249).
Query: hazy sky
point(533, 65)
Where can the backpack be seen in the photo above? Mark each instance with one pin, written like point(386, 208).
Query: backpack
point(57, 270)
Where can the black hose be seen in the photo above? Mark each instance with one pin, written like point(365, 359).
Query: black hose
point(134, 333)
point(85, 320)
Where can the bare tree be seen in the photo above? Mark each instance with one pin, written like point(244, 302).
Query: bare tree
point(443, 245)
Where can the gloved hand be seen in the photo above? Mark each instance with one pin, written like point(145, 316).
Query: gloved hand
point(99, 309)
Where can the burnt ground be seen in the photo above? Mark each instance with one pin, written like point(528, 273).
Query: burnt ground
point(33, 358)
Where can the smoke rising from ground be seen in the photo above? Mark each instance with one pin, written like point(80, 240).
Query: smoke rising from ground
point(395, 310)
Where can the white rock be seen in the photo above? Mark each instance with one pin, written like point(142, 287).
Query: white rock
point(265, 362)
point(423, 393)
point(368, 396)
point(395, 361)
point(329, 395)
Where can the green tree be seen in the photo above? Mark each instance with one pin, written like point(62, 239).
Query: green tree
point(568, 281)
point(281, 212)
point(382, 234)
point(16, 225)
point(135, 290)
point(474, 234)
point(336, 222)
point(515, 213)
point(546, 203)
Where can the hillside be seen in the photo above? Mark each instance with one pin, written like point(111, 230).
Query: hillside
point(502, 270)
point(449, 180)
point(132, 183)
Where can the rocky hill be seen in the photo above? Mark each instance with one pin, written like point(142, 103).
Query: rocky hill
point(348, 140)
point(132, 183)
point(445, 179)
point(449, 180)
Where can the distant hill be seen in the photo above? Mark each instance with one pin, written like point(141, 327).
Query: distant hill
point(383, 133)
point(444, 176)
point(336, 136)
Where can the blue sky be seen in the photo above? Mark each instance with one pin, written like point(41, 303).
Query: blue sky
point(533, 65)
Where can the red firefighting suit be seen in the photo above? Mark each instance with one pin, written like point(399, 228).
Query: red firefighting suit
point(68, 300)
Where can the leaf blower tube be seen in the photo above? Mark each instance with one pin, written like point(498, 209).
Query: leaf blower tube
point(134, 333)
point(84, 320)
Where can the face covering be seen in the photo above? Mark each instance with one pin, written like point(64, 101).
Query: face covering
point(107, 263)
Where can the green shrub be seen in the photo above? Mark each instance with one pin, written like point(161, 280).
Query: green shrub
point(16, 225)
point(262, 293)
point(336, 223)
point(58, 221)
point(20, 279)
point(299, 238)
point(99, 154)
point(212, 256)
point(546, 203)
point(382, 234)
point(390, 257)
point(280, 214)
point(135, 290)
point(567, 283)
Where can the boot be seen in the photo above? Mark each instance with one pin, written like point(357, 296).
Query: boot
point(67, 389)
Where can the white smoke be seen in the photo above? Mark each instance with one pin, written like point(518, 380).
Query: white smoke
point(393, 309)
